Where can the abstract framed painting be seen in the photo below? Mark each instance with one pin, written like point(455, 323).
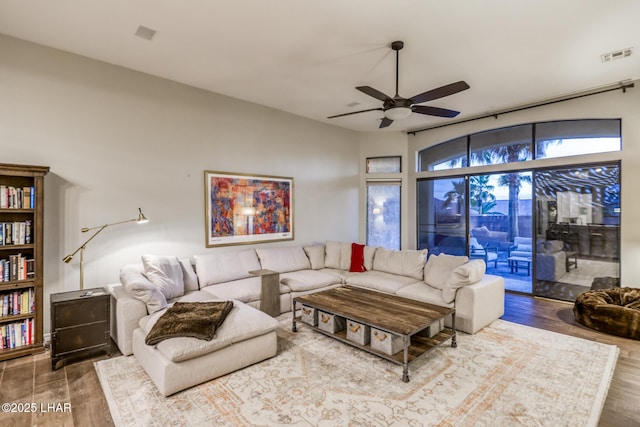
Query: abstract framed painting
point(245, 209)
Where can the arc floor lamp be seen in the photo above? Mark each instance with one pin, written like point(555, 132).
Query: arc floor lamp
point(141, 219)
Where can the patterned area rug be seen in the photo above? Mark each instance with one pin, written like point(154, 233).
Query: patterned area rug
point(505, 375)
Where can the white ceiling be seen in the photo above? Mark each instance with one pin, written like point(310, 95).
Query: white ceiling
point(307, 56)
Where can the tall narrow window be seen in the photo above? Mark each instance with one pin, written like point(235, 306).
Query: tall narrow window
point(383, 214)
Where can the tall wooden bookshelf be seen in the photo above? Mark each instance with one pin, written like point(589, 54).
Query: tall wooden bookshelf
point(21, 259)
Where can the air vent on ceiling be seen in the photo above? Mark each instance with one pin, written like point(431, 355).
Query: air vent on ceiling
point(145, 32)
point(618, 54)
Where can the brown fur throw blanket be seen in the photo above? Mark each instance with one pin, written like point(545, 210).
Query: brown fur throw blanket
point(190, 319)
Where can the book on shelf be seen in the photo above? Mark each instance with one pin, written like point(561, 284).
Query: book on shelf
point(17, 197)
point(16, 303)
point(17, 267)
point(16, 233)
point(17, 334)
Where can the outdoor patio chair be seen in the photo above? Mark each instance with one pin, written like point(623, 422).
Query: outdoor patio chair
point(487, 253)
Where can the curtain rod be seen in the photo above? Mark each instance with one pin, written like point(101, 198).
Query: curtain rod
point(622, 87)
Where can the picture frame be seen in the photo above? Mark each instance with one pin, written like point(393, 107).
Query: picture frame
point(245, 209)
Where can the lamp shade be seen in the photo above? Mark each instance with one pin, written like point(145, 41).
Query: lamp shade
point(397, 113)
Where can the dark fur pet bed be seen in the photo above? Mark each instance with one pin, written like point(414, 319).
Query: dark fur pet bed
point(614, 311)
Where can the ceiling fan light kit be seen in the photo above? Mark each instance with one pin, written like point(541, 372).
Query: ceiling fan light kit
point(398, 108)
point(397, 113)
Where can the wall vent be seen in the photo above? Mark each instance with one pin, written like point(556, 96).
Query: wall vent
point(617, 54)
point(145, 32)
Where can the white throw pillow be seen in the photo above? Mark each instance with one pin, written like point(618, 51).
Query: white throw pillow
point(316, 256)
point(166, 273)
point(139, 287)
point(467, 274)
point(189, 276)
point(439, 268)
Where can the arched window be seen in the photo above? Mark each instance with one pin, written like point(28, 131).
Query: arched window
point(524, 142)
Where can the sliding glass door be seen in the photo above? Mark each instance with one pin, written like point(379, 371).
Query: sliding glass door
point(500, 225)
point(577, 230)
point(442, 214)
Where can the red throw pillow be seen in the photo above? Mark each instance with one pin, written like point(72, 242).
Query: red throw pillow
point(357, 258)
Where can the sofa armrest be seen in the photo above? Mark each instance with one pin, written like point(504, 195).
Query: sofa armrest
point(126, 312)
point(479, 304)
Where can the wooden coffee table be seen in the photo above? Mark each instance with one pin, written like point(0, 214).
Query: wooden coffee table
point(396, 315)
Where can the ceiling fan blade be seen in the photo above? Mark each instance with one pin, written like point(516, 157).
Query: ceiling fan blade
point(440, 92)
point(355, 112)
point(434, 111)
point(374, 93)
point(385, 122)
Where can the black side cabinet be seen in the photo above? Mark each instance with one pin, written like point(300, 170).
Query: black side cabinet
point(79, 323)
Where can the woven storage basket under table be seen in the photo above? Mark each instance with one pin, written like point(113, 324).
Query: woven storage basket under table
point(358, 333)
point(385, 342)
point(309, 315)
point(330, 322)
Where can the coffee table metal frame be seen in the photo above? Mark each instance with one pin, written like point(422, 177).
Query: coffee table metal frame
point(418, 316)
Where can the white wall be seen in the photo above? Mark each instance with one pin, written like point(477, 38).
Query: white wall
point(117, 140)
point(610, 105)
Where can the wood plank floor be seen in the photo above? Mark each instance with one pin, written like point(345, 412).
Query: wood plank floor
point(30, 379)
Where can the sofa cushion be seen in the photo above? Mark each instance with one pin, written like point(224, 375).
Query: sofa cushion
point(379, 281)
point(337, 255)
point(221, 267)
point(439, 268)
point(420, 291)
point(189, 275)
point(139, 287)
point(166, 273)
point(315, 254)
point(308, 280)
point(283, 259)
point(369, 254)
point(242, 322)
point(245, 290)
point(467, 274)
point(405, 263)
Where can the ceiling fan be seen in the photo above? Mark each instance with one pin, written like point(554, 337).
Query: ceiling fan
point(398, 108)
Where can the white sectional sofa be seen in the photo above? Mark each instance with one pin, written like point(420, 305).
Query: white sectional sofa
point(178, 363)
